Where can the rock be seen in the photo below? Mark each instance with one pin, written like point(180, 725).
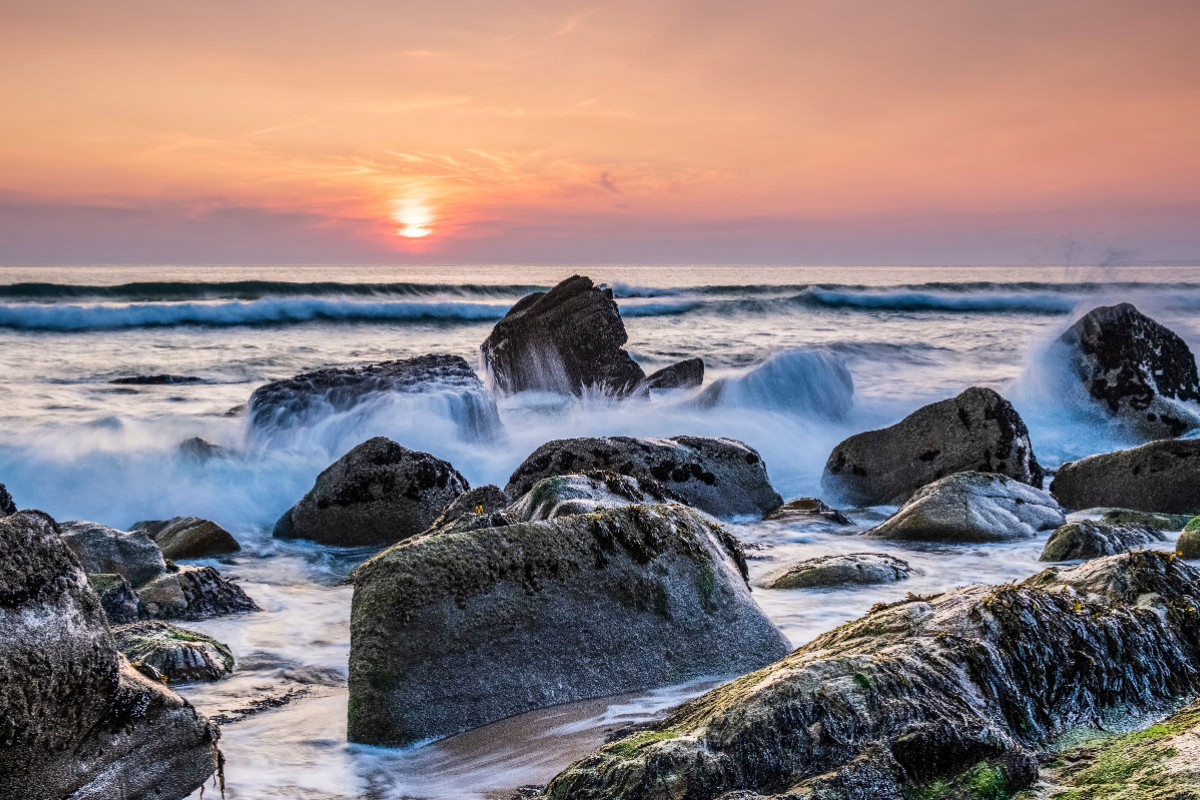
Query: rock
point(1088, 539)
point(976, 431)
point(444, 380)
point(972, 507)
point(155, 380)
point(188, 537)
point(7, 506)
point(482, 507)
point(1162, 477)
point(1138, 371)
point(104, 550)
point(684, 375)
point(1188, 544)
point(720, 476)
point(1127, 516)
point(378, 493)
point(177, 654)
point(924, 697)
point(117, 598)
point(563, 495)
point(193, 592)
point(566, 340)
point(452, 631)
point(803, 509)
point(838, 570)
point(75, 719)
point(202, 450)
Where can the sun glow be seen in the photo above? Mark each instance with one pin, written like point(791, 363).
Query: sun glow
point(415, 218)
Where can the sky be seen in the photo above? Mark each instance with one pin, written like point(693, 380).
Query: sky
point(764, 131)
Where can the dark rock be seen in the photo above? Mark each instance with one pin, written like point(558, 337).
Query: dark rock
point(7, 506)
point(1188, 544)
point(193, 592)
point(179, 655)
point(117, 598)
point(482, 507)
point(445, 378)
point(378, 493)
point(454, 630)
point(925, 693)
point(1161, 477)
point(75, 719)
point(563, 495)
point(1127, 516)
point(839, 570)
point(808, 508)
point(972, 507)
point(201, 450)
point(721, 476)
point(1088, 539)
point(976, 431)
point(567, 340)
point(188, 537)
point(1138, 371)
point(104, 550)
point(684, 375)
point(155, 380)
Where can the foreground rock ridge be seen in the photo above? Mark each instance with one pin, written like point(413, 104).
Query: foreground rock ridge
point(922, 691)
point(459, 628)
point(75, 719)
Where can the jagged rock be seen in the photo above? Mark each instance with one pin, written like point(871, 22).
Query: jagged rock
point(721, 476)
point(75, 719)
point(839, 570)
point(808, 508)
point(179, 655)
point(378, 493)
point(1138, 371)
point(7, 506)
point(454, 630)
point(193, 592)
point(1188, 544)
point(973, 507)
point(481, 507)
point(117, 598)
point(566, 340)
point(1127, 516)
point(684, 375)
point(924, 693)
point(188, 537)
point(1088, 539)
point(976, 431)
point(443, 378)
point(202, 450)
point(1161, 476)
point(563, 495)
point(104, 550)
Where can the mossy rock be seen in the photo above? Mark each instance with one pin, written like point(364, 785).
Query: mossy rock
point(1089, 539)
point(1128, 516)
point(1188, 544)
point(180, 655)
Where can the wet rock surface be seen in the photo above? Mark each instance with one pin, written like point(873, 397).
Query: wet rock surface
point(378, 493)
point(808, 509)
point(563, 495)
point(117, 598)
point(976, 431)
point(839, 570)
point(1088, 539)
point(188, 537)
point(687, 374)
point(1160, 477)
point(202, 451)
point(178, 654)
point(535, 614)
point(973, 507)
point(723, 477)
point(927, 692)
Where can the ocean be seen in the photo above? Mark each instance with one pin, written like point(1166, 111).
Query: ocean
point(807, 357)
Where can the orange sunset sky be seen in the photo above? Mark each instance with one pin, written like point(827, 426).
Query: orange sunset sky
point(802, 132)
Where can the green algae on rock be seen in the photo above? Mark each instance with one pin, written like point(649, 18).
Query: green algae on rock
point(1090, 539)
point(179, 654)
point(839, 570)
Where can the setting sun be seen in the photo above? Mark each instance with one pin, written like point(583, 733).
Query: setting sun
point(414, 217)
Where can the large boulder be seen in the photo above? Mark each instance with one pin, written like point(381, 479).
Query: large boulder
point(1090, 539)
point(721, 476)
point(1136, 370)
point(921, 697)
point(105, 550)
point(839, 570)
point(563, 495)
point(7, 506)
point(444, 381)
point(972, 507)
point(193, 592)
point(188, 537)
point(178, 654)
point(976, 431)
point(454, 630)
point(378, 493)
point(1160, 476)
point(75, 719)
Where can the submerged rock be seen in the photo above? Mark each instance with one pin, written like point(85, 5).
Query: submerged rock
point(179, 655)
point(1127, 516)
point(976, 431)
point(721, 476)
point(7, 506)
point(117, 598)
point(924, 693)
point(839, 570)
point(155, 380)
point(563, 495)
point(80, 722)
point(684, 375)
point(104, 550)
point(202, 450)
point(1159, 476)
point(188, 537)
point(1136, 370)
point(1088, 539)
point(378, 493)
point(454, 630)
point(808, 508)
point(973, 507)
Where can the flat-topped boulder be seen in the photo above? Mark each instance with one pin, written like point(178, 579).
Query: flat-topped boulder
point(976, 431)
point(80, 722)
point(839, 570)
point(457, 629)
point(188, 537)
point(723, 477)
point(1136, 370)
point(1160, 476)
point(924, 695)
point(378, 493)
point(972, 507)
point(178, 654)
point(563, 495)
point(1091, 539)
